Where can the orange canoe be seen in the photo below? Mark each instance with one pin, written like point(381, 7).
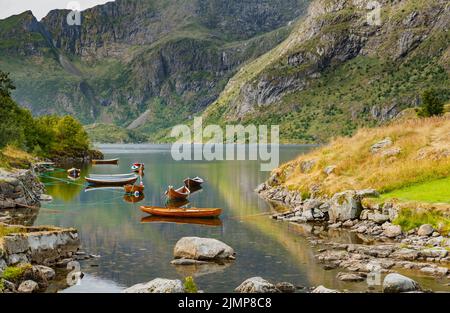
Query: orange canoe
point(181, 212)
point(178, 194)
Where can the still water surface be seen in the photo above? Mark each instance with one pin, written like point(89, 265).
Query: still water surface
point(134, 249)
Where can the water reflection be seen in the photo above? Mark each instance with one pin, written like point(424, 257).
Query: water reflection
point(135, 248)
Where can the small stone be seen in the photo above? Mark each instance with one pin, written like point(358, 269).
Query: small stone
point(348, 223)
point(391, 230)
point(285, 287)
point(158, 285)
point(28, 286)
point(351, 277)
point(256, 285)
point(425, 230)
point(435, 234)
point(335, 225)
point(322, 289)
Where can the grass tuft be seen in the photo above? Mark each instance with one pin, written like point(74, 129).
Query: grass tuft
point(411, 218)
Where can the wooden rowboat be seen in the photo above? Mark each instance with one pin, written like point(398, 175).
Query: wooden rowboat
point(109, 161)
point(133, 188)
point(181, 212)
point(178, 194)
point(111, 181)
point(195, 182)
point(181, 220)
point(128, 175)
point(74, 172)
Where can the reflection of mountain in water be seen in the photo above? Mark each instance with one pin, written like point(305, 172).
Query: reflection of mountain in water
point(133, 252)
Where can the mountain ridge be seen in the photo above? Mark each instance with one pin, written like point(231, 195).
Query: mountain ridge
point(129, 57)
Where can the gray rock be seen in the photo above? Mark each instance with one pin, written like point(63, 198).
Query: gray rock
point(437, 271)
point(381, 144)
point(391, 152)
point(406, 254)
point(350, 277)
point(378, 218)
point(367, 193)
point(425, 230)
point(348, 223)
point(306, 166)
point(395, 283)
point(158, 285)
point(322, 289)
point(256, 285)
point(285, 287)
point(204, 249)
point(329, 169)
point(44, 197)
point(434, 253)
point(345, 206)
point(28, 286)
point(45, 271)
point(391, 231)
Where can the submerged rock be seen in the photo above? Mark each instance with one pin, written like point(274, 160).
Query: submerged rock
point(322, 289)
point(158, 285)
point(204, 249)
point(256, 285)
point(285, 287)
point(395, 283)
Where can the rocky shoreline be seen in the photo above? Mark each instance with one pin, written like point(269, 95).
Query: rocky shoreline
point(29, 255)
point(384, 247)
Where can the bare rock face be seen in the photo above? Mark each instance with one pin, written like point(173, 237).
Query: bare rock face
point(18, 188)
point(395, 283)
point(158, 285)
point(256, 285)
point(205, 249)
point(40, 245)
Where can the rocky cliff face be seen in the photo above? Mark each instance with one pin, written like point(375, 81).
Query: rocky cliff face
point(19, 188)
point(156, 61)
point(338, 67)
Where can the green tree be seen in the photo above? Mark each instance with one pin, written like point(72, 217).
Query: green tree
point(431, 103)
point(6, 84)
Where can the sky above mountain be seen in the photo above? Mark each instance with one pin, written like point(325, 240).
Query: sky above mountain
point(42, 7)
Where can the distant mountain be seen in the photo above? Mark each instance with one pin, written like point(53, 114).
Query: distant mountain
point(338, 70)
point(145, 65)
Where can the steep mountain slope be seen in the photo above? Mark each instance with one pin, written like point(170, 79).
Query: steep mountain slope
point(336, 71)
point(156, 62)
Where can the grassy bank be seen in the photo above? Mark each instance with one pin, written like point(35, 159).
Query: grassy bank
point(418, 158)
